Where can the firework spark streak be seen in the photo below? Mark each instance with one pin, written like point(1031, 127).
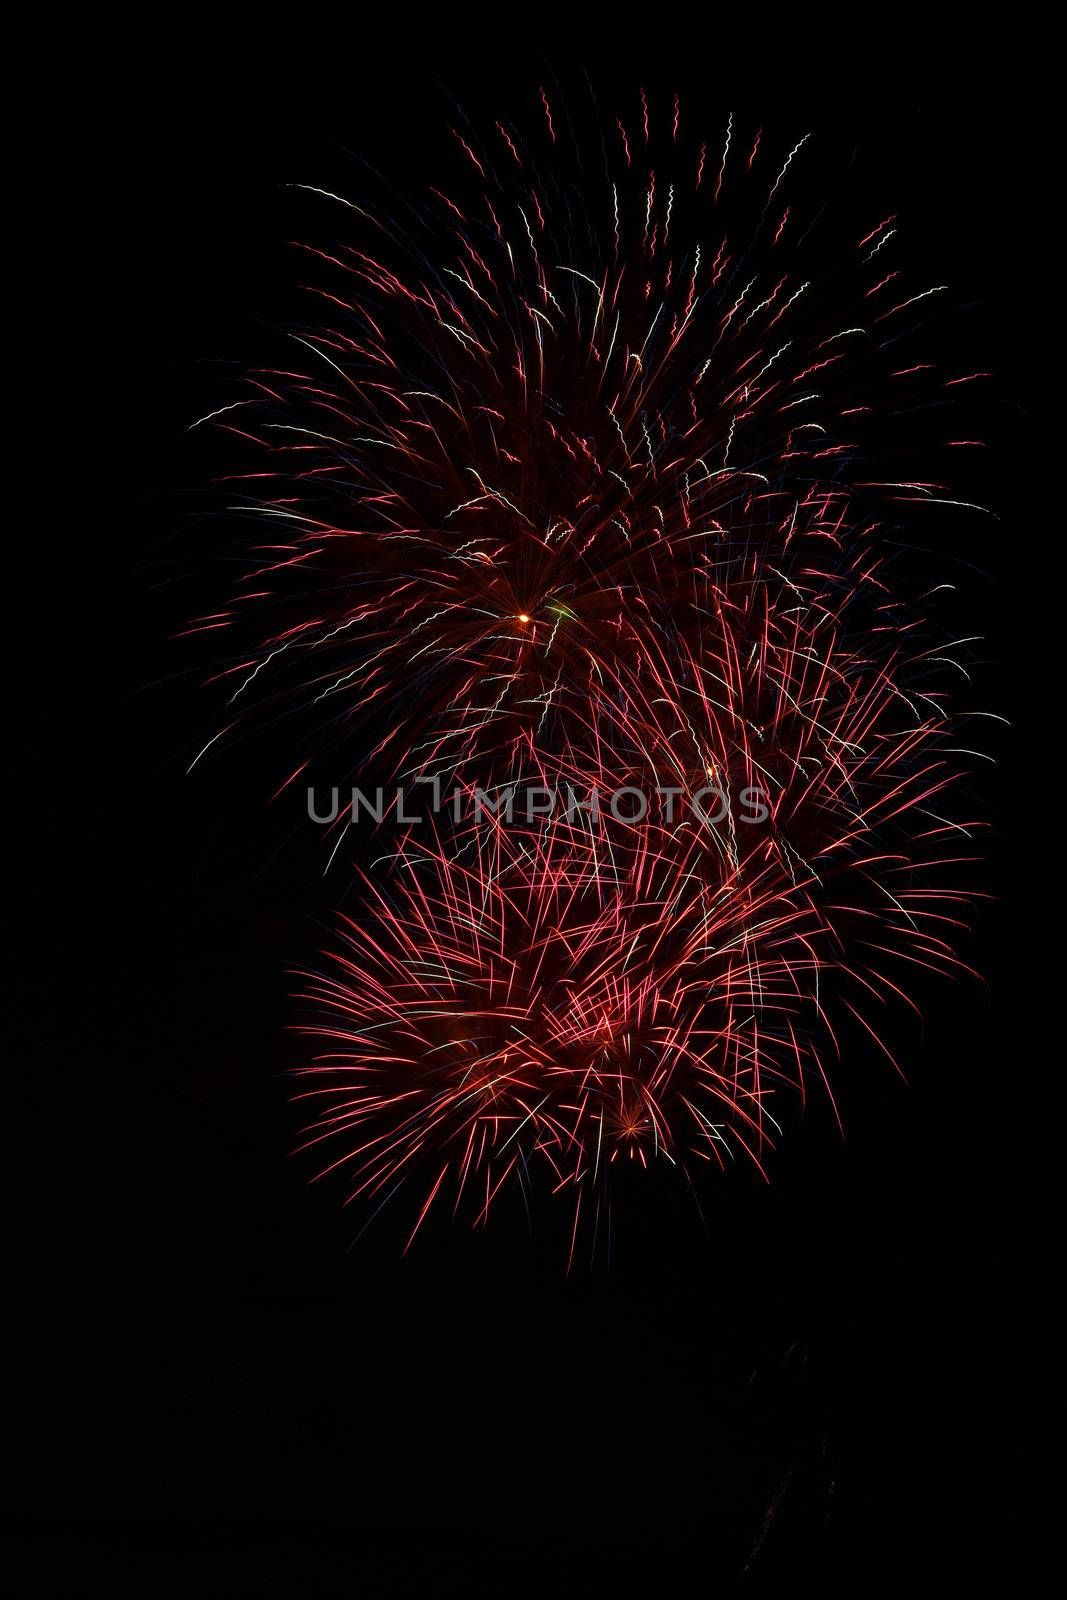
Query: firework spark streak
point(591, 471)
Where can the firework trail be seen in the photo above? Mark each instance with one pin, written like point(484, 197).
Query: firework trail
point(589, 471)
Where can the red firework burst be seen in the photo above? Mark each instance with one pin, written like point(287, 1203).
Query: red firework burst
point(596, 490)
point(535, 1008)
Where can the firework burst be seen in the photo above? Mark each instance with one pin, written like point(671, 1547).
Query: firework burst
point(535, 1008)
point(587, 473)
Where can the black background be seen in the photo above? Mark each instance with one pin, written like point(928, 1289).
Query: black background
point(211, 1391)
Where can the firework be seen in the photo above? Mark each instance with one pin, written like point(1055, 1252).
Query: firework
point(586, 473)
point(536, 1009)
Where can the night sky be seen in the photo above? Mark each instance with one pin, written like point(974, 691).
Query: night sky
point(210, 1389)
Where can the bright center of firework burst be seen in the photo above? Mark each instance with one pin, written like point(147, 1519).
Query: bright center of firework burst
point(523, 618)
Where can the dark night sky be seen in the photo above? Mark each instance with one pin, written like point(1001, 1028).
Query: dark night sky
point(207, 1386)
